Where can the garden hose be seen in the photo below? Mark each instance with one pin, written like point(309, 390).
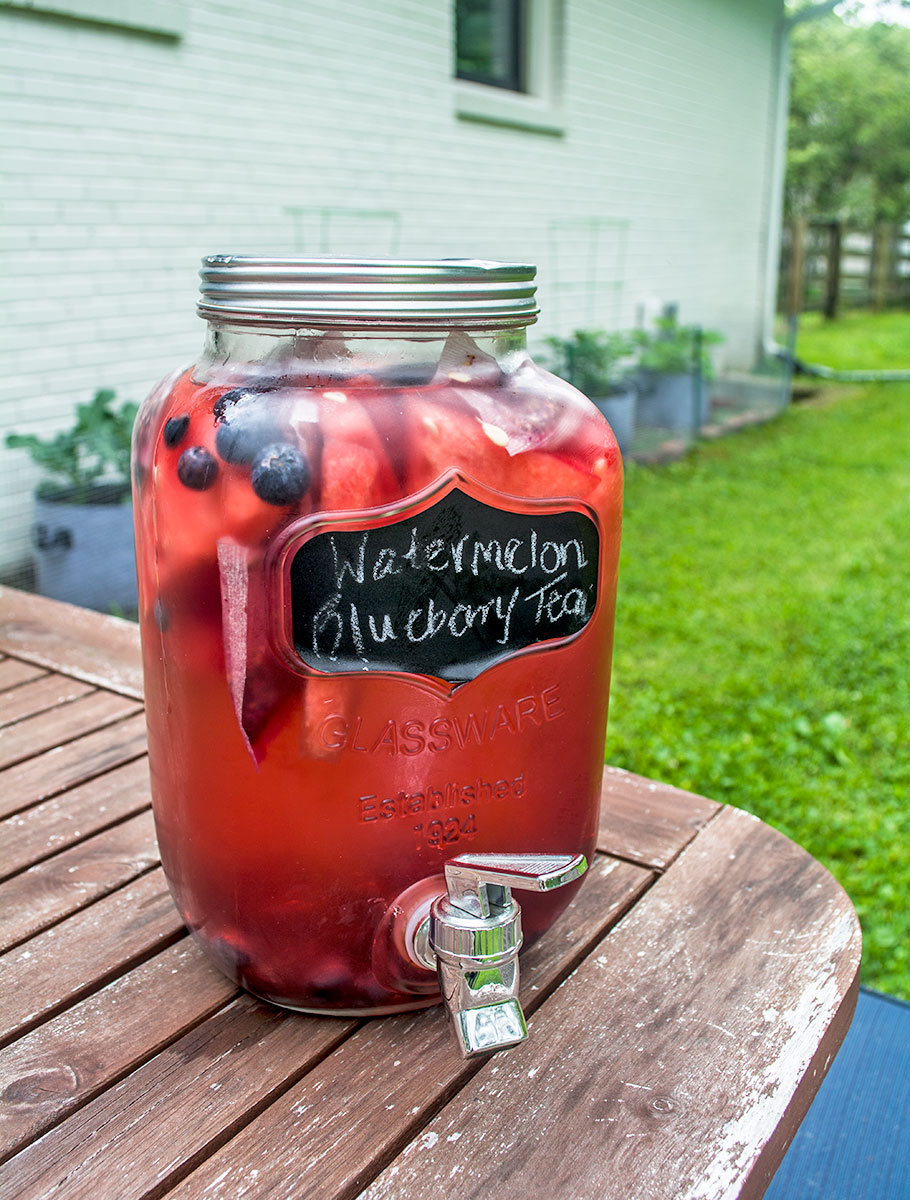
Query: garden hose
point(817, 371)
point(797, 366)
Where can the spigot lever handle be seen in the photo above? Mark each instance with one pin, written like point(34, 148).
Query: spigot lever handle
point(478, 882)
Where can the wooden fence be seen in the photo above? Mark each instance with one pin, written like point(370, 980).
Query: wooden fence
point(827, 265)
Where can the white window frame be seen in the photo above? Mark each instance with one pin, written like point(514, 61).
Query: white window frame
point(538, 108)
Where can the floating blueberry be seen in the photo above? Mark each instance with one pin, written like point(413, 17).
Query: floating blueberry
point(405, 374)
point(197, 469)
point(268, 383)
point(175, 430)
point(245, 426)
point(281, 474)
point(228, 400)
point(331, 980)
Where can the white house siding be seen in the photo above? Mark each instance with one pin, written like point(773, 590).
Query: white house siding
point(127, 155)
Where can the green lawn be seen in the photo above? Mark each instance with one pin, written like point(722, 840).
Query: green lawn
point(763, 640)
point(856, 341)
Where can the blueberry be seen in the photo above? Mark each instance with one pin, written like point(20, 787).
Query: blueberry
point(405, 374)
point(197, 469)
point(331, 983)
point(175, 430)
point(281, 474)
point(228, 400)
point(242, 396)
point(245, 426)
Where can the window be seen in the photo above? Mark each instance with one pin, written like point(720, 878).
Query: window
point(489, 42)
point(507, 63)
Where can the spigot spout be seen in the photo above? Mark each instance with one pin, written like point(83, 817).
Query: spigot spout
point(474, 935)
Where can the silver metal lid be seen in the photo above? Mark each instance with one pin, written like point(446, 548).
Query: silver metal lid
point(351, 293)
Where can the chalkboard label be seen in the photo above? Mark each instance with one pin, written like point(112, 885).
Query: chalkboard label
point(445, 592)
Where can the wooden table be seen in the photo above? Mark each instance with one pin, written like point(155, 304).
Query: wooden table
point(683, 1011)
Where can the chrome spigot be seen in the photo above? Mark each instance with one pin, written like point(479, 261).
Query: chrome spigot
point(472, 937)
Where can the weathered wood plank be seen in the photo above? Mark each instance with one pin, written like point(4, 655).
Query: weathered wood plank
point(673, 1052)
point(38, 695)
point(59, 886)
point(86, 950)
point(99, 649)
point(328, 1134)
point(14, 672)
point(63, 767)
point(648, 822)
point(191, 1094)
point(63, 724)
point(74, 815)
point(77, 1054)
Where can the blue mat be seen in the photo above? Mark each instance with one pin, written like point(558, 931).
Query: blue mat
point(854, 1143)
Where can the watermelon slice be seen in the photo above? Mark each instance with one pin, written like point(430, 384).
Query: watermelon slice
point(353, 477)
point(356, 471)
point(262, 689)
point(447, 435)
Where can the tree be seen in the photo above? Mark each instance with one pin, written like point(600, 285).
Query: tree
point(849, 137)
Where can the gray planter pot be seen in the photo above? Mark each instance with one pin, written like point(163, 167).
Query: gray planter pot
point(673, 401)
point(84, 553)
point(620, 409)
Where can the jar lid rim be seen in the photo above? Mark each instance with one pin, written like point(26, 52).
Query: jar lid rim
point(361, 293)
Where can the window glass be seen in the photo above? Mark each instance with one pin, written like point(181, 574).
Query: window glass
point(489, 39)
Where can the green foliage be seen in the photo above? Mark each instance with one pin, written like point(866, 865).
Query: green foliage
point(599, 362)
point(849, 136)
point(593, 360)
point(676, 349)
point(97, 445)
point(763, 641)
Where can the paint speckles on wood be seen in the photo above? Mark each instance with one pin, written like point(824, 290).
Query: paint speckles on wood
point(100, 1038)
point(683, 1010)
point(74, 641)
point(62, 724)
point(372, 1094)
point(75, 762)
point(648, 822)
point(697, 1018)
point(131, 922)
point(54, 824)
point(14, 672)
point(53, 889)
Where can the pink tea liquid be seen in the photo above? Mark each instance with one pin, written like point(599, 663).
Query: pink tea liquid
point(294, 804)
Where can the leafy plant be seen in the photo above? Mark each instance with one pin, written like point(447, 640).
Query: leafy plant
point(96, 449)
point(595, 361)
point(676, 349)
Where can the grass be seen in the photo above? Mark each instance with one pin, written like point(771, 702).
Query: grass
point(856, 341)
point(763, 640)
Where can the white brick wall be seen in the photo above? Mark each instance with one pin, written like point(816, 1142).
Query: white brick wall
point(128, 156)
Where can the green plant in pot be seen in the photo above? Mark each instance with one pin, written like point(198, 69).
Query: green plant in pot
point(674, 368)
point(601, 364)
point(83, 532)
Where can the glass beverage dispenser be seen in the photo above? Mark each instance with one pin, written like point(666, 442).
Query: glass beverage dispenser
point(377, 551)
